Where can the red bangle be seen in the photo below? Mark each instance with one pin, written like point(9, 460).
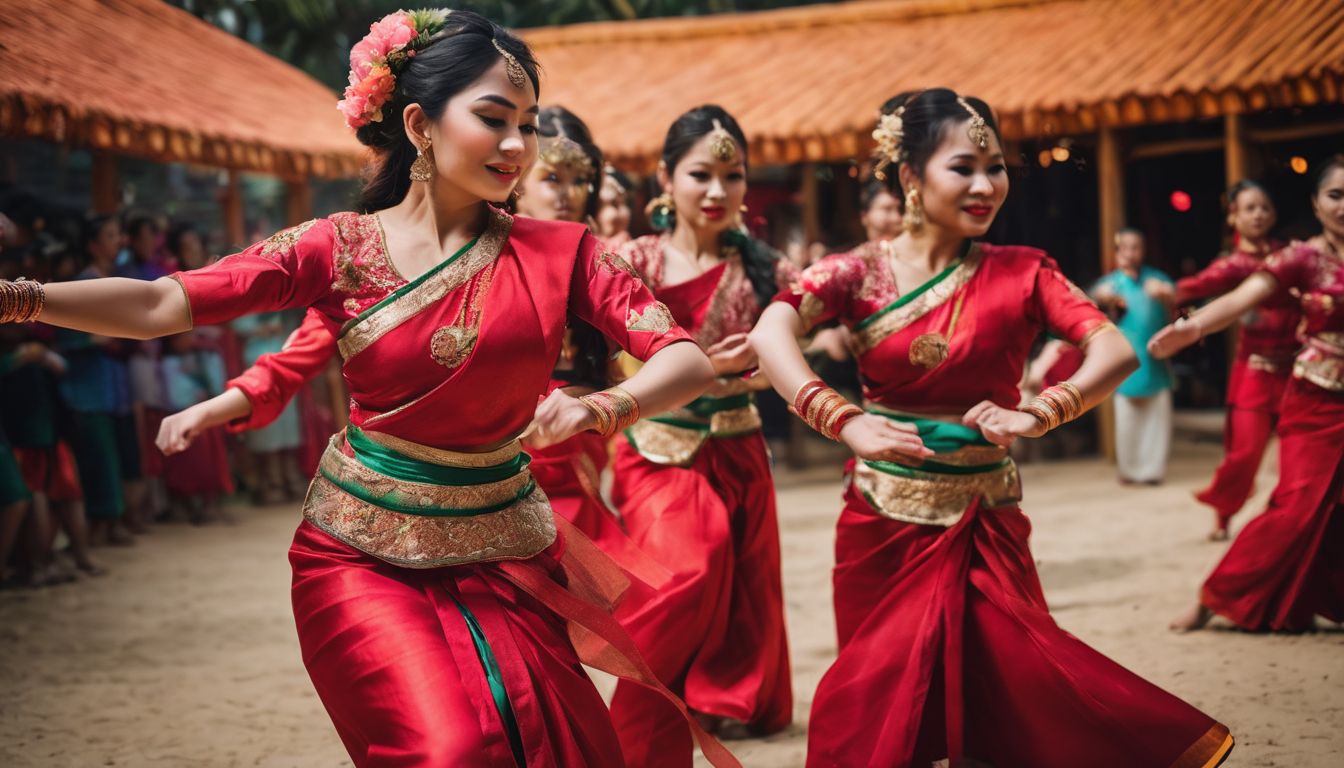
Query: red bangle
point(844, 419)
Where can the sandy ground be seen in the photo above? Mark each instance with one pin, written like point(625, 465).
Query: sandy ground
point(185, 655)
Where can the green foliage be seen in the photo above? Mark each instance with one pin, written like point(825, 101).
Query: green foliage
point(316, 35)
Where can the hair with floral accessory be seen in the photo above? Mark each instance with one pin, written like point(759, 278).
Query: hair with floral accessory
point(376, 61)
point(420, 57)
point(911, 126)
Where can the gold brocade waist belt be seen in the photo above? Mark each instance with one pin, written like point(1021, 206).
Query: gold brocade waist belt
point(1321, 361)
point(675, 438)
point(421, 507)
point(934, 497)
point(965, 469)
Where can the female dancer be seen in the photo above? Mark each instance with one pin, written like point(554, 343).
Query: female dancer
point(1287, 565)
point(1266, 344)
point(420, 664)
point(694, 486)
point(557, 188)
point(942, 623)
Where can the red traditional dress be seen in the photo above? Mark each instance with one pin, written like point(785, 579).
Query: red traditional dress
point(1287, 565)
point(441, 616)
point(569, 472)
point(695, 491)
point(1266, 344)
point(947, 647)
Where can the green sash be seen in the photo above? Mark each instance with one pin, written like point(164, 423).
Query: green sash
point(399, 466)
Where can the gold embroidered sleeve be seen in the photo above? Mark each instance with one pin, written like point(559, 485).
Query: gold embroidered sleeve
point(655, 318)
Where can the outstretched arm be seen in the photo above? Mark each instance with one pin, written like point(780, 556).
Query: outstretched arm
point(1214, 316)
point(118, 306)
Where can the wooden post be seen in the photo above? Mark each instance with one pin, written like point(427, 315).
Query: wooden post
point(811, 217)
point(1110, 193)
point(1236, 149)
point(1237, 166)
point(106, 188)
point(233, 211)
point(1111, 201)
point(298, 201)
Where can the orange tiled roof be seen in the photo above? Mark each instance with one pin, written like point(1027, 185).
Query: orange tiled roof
point(806, 82)
point(144, 78)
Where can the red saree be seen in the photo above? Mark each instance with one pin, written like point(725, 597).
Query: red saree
point(1266, 344)
point(947, 647)
point(568, 472)
point(443, 621)
point(696, 494)
point(1287, 565)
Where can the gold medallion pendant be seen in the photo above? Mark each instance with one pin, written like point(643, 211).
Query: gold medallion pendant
point(451, 345)
point(929, 350)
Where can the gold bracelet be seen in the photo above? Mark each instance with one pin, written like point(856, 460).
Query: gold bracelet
point(823, 409)
point(614, 409)
point(1056, 405)
point(21, 301)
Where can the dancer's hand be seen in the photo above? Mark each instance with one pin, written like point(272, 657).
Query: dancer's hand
point(559, 417)
point(732, 354)
point(1002, 426)
point(880, 439)
point(179, 430)
point(1175, 337)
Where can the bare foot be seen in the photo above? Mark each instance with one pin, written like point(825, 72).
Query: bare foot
point(1191, 620)
point(1219, 533)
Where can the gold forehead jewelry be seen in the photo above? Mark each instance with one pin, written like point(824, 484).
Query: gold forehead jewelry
point(564, 152)
point(722, 146)
point(512, 68)
point(978, 131)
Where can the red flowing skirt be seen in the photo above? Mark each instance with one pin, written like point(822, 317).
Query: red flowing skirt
point(1252, 410)
point(394, 663)
point(715, 632)
point(1287, 565)
point(203, 468)
point(947, 650)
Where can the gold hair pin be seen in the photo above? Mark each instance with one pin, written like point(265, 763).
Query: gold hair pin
point(978, 130)
point(517, 75)
point(564, 152)
point(722, 146)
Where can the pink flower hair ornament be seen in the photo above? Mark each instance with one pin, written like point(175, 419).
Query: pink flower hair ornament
point(376, 61)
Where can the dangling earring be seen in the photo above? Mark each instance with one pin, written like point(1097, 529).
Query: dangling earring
point(661, 213)
point(423, 167)
point(914, 211)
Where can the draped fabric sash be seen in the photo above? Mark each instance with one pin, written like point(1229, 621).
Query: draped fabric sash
point(910, 307)
point(965, 468)
point(426, 290)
